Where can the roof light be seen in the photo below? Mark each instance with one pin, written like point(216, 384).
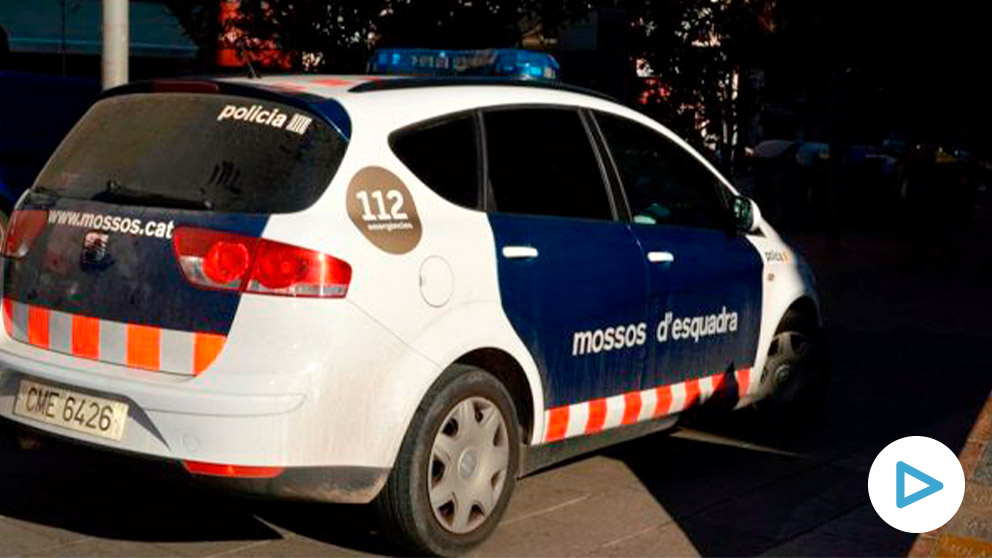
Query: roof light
point(500, 62)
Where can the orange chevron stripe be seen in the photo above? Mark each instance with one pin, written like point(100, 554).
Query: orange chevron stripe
point(8, 316)
point(206, 347)
point(86, 337)
point(597, 416)
point(595, 421)
point(143, 346)
point(631, 407)
point(557, 424)
point(38, 326)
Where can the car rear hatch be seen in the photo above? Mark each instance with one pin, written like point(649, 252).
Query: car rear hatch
point(142, 233)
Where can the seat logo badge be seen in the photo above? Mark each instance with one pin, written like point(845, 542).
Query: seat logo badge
point(95, 248)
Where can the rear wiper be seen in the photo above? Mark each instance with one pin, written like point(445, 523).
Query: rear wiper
point(115, 192)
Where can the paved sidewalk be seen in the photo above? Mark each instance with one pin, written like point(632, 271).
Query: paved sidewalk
point(969, 533)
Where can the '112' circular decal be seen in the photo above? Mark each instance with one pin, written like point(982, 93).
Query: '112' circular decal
point(382, 208)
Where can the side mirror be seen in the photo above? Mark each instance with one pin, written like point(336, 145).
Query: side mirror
point(747, 216)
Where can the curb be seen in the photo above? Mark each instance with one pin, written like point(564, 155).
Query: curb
point(969, 533)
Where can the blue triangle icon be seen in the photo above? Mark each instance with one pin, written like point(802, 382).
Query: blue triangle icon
point(902, 469)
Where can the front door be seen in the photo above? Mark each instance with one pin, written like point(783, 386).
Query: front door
point(572, 277)
point(704, 279)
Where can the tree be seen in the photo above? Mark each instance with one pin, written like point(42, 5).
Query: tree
point(697, 48)
point(700, 51)
point(318, 35)
point(339, 35)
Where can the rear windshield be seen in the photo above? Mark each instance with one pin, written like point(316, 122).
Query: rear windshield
point(196, 151)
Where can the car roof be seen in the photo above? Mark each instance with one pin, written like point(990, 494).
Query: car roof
point(337, 86)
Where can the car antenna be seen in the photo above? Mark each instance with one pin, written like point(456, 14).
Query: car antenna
point(247, 60)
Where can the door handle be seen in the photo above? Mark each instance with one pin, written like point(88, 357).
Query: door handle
point(519, 252)
point(661, 257)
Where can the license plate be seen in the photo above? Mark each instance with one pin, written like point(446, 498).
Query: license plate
point(70, 409)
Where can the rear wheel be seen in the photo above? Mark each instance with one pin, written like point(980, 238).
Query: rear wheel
point(457, 466)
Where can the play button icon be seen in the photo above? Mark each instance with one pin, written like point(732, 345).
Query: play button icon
point(908, 498)
point(931, 484)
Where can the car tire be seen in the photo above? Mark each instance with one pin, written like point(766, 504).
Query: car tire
point(456, 468)
point(796, 375)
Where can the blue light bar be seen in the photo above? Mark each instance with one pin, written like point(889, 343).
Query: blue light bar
point(500, 62)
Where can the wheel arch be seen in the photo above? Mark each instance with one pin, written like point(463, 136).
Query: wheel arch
point(803, 314)
point(511, 373)
point(480, 334)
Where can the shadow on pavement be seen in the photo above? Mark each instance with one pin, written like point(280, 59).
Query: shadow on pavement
point(342, 525)
point(88, 491)
point(79, 489)
point(732, 500)
point(911, 355)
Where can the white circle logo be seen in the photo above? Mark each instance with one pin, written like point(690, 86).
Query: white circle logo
point(916, 484)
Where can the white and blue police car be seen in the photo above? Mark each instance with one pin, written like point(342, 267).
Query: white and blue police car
point(406, 290)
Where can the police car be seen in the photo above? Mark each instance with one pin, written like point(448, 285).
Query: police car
point(404, 290)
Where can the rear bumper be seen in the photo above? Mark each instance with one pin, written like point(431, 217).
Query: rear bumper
point(254, 441)
point(328, 396)
point(249, 430)
point(343, 485)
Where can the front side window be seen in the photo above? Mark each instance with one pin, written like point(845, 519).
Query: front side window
point(541, 162)
point(444, 156)
point(664, 183)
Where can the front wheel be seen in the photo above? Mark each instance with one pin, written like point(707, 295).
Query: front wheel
point(457, 466)
point(796, 374)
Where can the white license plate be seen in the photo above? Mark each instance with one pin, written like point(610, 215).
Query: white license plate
point(70, 409)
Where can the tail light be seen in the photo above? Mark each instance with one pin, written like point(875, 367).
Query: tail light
point(232, 262)
point(24, 228)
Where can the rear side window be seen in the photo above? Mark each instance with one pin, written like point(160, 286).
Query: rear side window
point(196, 151)
point(540, 162)
point(445, 157)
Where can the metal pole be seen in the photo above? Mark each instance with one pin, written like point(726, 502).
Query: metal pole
point(116, 41)
point(62, 51)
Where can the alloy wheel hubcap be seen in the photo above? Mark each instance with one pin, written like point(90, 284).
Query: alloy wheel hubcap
point(468, 465)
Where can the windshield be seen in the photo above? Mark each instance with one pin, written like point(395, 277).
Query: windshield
point(196, 151)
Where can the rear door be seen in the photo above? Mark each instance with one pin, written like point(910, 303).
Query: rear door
point(91, 266)
point(572, 278)
point(704, 279)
